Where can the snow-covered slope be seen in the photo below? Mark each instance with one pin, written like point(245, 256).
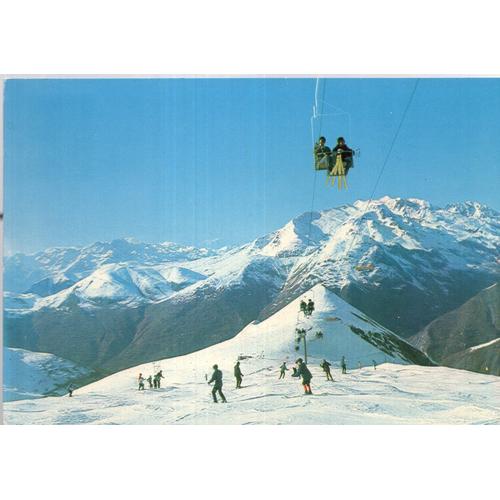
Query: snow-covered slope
point(393, 393)
point(344, 331)
point(30, 375)
point(261, 348)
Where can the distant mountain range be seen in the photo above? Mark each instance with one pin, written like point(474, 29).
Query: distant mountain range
point(109, 306)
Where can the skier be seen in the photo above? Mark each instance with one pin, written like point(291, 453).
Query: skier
point(150, 381)
point(322, 155)
point(158, 376)
point(374, 364)
point(345, 151)
point(326, 368)
point(71, 388)
point(310, 307)
point(217, 378)
point(303, 371)
point(359, 365)
point(238, 375)
point(283, 369)
point(343, 364)
point(141, 382)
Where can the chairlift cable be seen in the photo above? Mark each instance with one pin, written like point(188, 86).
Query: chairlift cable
point(387, 156)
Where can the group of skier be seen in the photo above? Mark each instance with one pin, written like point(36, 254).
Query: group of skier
point(299, 371)
point(303, 371)
point(153, 381)
point(217, 380)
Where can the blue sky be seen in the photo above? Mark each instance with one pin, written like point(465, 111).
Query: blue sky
point(222, 161)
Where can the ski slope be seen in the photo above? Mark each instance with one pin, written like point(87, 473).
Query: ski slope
point(394, 393)
point(391, 394)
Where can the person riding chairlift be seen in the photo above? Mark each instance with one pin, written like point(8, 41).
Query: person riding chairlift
point(322, 155)
point(346, 153)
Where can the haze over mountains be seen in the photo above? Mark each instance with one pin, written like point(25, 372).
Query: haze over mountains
point(401, 262)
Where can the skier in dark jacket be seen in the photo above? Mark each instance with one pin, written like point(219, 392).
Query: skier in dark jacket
point(157, 379)
point(150, 381)
point(71, 388)
point(217, 379)
point(303, 371)
point(343, 364)
point(238, 375)
point(283, 369)
point(345, 151)
point(326, 368)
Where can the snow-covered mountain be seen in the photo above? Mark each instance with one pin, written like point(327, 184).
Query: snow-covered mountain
point(394, 392)
point(403, 262)
point(111, 285)
point(400, 239)
point(55, 269)
point(29, 375)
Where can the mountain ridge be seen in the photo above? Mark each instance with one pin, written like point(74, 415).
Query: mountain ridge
point(403, 262)
point(466, 337)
